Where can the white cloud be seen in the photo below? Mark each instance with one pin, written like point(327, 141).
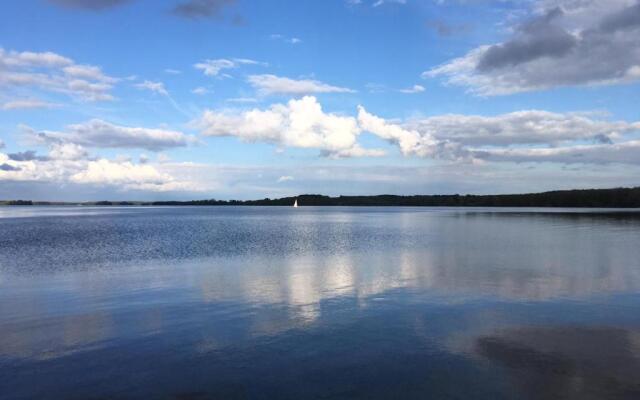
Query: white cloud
point(52, 72)
point(88, 72)
point(13, 59)
point(103, 171)
point(67, 151)
point(172, 71)
point(67, 168)
point(299, 123)
point(410, 142)
point(459, 138)
point(214, 67)
point(102, 134)
point(413, 89)
point(268, 84)
point(156, 87)
point(510, 137)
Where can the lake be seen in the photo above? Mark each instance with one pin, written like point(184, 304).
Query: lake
point(319, 303)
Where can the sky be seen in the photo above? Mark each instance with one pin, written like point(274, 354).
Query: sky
point(239, 99)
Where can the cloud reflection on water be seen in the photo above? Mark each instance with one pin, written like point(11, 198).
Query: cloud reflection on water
point(382, 288)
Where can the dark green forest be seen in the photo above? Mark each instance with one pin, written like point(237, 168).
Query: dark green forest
point(607, 198)
point(616, 198)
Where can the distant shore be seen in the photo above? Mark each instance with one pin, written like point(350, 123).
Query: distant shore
point(595, 198)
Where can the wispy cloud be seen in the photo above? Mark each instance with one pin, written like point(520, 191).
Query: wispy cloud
point(28, 104)
point(216, 66)
point(97, 133)
point(413, 89)
point(51, 72)
point(285, 39)
point(268, 84)
point(156, 87)
point(378, 3)
point(242, 100)
point(200, 90)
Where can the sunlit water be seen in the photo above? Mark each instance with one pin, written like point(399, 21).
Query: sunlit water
point(328, 303)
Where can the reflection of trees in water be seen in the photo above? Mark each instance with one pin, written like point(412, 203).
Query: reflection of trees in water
point(568, 362)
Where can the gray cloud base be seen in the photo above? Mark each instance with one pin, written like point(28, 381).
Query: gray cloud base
point(554, 49)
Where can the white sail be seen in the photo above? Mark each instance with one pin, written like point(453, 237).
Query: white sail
point(295, 203)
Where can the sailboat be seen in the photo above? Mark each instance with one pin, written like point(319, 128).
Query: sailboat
point(295, 203)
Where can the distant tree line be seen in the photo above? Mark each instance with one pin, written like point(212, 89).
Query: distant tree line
point(605, 198)
point(614, 198)
point(16, 203)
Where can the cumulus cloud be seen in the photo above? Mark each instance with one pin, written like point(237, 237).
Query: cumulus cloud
point(268, 84)
point(458, 138)
point(101, 134)
point(66, 162)
point(36, 170)
point(51, 72)
point(522, 127)
point(410, 142)
point(303, 124)
point(65, 169)
point(201, 8)
point(67, 151)
point(93, 5)
point(215, 67)
point(564, 43)
point(299, 123)
point(104, 171)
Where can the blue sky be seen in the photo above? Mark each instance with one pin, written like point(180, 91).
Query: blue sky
point(179, 99)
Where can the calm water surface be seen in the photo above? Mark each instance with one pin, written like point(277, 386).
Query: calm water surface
point(318, 303)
